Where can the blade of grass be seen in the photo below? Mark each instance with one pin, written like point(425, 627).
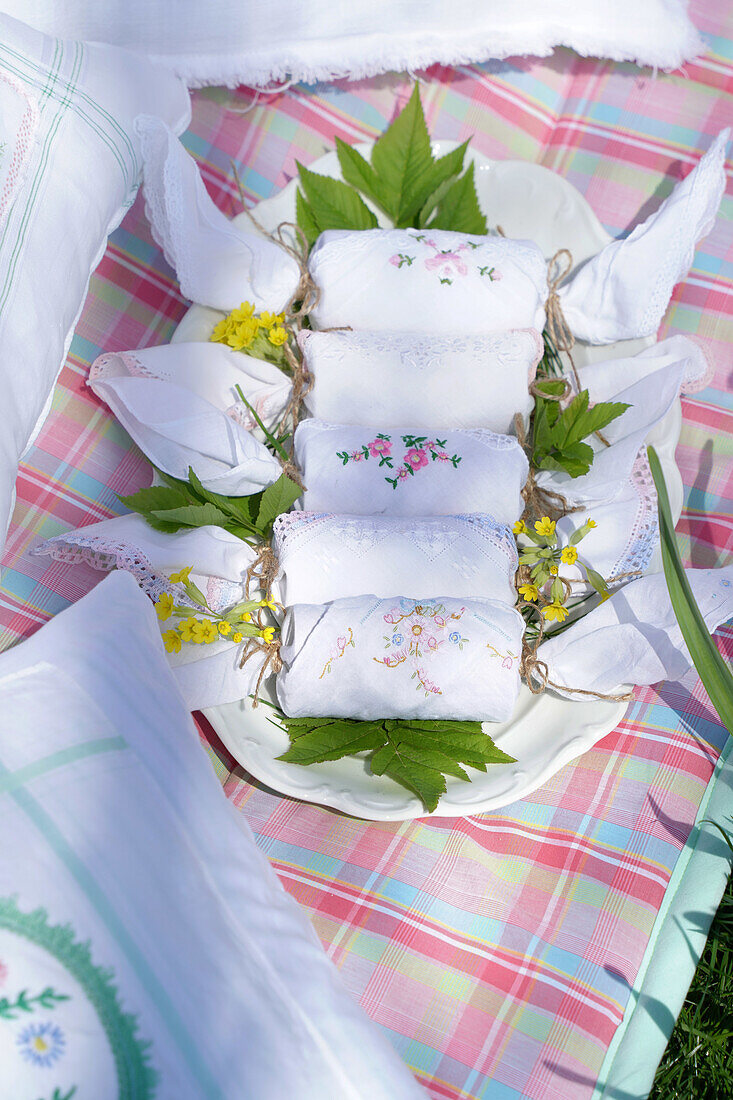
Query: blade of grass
point(715, 674)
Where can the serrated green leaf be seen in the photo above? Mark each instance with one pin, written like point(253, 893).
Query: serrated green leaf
point(431, 202)
point(306, 218)
point(575, 461)
point(331, 741)
point(459, 209)
point(242, 509)
point(564, 431)
point(154, 498)
point(554, 387)
point(276, 499)
point(597, 418)
point(426, 783)
point(359, 173)
point(399, 157)
point(469, 746)
point(334, 204)
point(193, 515)
point(430, 186)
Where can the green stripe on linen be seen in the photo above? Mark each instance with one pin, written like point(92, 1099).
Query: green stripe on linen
point(10, 781)
point(107, 914)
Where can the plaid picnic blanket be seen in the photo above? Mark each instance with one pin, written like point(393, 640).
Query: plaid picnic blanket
point(505, 953)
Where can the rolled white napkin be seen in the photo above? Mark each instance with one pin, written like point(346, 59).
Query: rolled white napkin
point(176, 429)
point(218, 264)
point(633, 638)
point(623, 292)
point(207, 675)
point(325, 557)
point(407, 280)
point(389, 379)
point(607, 378)
point(397, 658)
point(359, 471)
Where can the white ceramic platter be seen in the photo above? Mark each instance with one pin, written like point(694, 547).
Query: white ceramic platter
point(545, 731)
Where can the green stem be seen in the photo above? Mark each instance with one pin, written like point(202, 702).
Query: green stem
point(268, 435)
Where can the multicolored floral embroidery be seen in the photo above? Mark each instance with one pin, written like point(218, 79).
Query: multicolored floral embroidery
point(418, 631)
point(507, 659)
point(342, 644)
point(42, 1043)
point(447, 263)
point(419, 452)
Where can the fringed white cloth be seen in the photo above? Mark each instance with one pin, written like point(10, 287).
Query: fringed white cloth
point(623, 292)
point(218, 264)
point(397, 658)
point(360, 471)
point(633, 638)
point(384, 380)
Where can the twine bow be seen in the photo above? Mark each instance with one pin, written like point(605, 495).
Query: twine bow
point(263, 569)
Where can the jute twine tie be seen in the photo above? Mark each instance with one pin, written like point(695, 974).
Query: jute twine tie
point(558, 269)
point(270, 653)
point(263, 569)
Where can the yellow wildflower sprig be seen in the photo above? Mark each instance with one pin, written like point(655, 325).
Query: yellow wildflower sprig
point(261, 335)
point(540, 557)
point(243, 620)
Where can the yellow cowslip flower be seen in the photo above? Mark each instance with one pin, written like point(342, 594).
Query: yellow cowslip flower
point(236, 637)
point(221, 331)
point(555, 611)
point(242, 335)
point(268, 634)
point(204, 631)
point(569, 555)
point(553, 570)
point(246, 618)
point(545, 527)
point(187, 628)
point(520, 527)
point(243, 312)
point(164, 606)
point(269, 602)
point(529, 591)
point(172, 641)
point(182, 576)
point(269, 320)
point(277, 336)
point(590, 524)
point(224, 627)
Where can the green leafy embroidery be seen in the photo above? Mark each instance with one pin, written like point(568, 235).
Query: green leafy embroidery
point(10, 1010)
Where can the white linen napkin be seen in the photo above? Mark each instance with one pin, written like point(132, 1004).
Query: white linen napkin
point(383, 380)
point(212, 371)
point(405, 280)
point(207, 675)
point(360, 471)
point(325, 557)
point(397, 658)
point(633, 638)
point(623, 292)
point(218, 264)
point(607, 378)
point(176, 429)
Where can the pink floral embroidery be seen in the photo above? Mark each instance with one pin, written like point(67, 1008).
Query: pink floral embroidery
point(507, 659)
point(418, 632)
point(380, 446)
point(448, 263)
point(419, 450)
point(356, 456)
point(3, 972)
point(342, 644)
point(416, 458)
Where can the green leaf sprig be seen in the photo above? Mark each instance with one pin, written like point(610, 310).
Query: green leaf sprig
point(417, 755)
point(558, 432)
point(403, 179)
point(179, 505)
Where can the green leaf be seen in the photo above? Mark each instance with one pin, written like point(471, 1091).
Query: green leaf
point(154, 498)
point(335, 205)
point(459, 209)
point(193, 515)
point(600, 416)
point(427, 783)
point(433, 184)
point(565, 431)
point(400, 157)
point(306, 218)
point(331, 739)
point(276, 499)
point(715, 674)
point(575, 460)
point(359, 173)
point(596, 580)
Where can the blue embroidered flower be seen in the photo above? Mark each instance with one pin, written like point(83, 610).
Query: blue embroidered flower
point(42, 1044)
point(454, 637)
point(397, 639)
point(725, 582)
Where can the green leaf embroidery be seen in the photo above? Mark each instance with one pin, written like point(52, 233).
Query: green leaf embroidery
point(48, 998)
point(334, 204)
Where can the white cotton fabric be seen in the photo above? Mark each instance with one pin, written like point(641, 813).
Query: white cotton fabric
point(633, 638)
point(326, 557)
point(359, 471)
point(385, 380)
point(228, 42)
point(397, 658)
point(207, 675)
point(71, 172)
point(176, 429)
point(218, 264)
point(211, 371)
point(622, 292)
point(162, 881)
point(431, 281)
point(607, 378)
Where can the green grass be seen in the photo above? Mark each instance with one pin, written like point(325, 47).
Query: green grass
point(698, 1061)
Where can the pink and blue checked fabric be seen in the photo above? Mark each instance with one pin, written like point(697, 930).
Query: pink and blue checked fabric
point(500, 951)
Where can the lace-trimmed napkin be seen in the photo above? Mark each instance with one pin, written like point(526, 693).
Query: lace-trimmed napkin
point(399, 658)
point(325, 557)
point(389, 379)
point(358, 471)
point(633, 638)
point(622, 292)
point(218, 264)
point(404, 280)
point(206, 674)
point(177, 428)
